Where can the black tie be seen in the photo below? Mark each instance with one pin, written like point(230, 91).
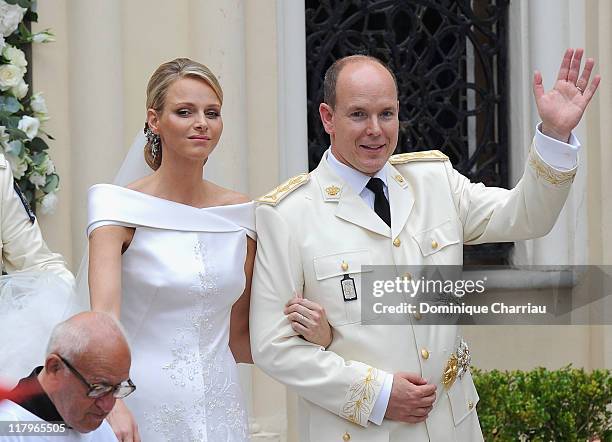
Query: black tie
point(381, 204)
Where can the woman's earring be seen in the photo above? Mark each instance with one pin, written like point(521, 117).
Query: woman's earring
point(153, 140)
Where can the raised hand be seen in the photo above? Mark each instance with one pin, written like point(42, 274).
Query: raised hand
point(562, 107)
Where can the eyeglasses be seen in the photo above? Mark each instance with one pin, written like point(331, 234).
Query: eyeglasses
point(96, 391)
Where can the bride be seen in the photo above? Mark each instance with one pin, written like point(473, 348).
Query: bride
point(171, 255)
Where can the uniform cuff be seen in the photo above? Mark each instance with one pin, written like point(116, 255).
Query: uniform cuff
point(557, 154)
point(380, 406)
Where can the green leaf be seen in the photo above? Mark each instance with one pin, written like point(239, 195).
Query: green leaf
point(24, 3)
point(11, 123)
point(11, 2)
point(16, 134)
point(24, 32)
point(52, 183)
point(30, 15)
point(15, 147)
point(38, 145)
point(9, 104)
point(38, 158)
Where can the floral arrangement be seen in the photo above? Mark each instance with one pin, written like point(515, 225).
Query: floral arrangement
point(23, 113)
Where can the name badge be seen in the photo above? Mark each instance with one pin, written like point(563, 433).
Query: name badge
point(349, 292)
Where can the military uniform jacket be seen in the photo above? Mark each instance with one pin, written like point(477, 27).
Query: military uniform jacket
point(22, 247)
point(313, 225)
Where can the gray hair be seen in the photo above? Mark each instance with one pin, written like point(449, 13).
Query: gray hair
point(76, 335)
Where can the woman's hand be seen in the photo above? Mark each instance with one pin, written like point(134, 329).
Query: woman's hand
point(123, 423)
point(309, 320)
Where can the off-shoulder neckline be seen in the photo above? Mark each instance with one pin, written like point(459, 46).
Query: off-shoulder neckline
point(163, 200)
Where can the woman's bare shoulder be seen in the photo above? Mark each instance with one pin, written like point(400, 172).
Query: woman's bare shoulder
point(140, 185)
point(226, 197)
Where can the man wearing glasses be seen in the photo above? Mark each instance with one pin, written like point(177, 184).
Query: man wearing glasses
point(86, 370)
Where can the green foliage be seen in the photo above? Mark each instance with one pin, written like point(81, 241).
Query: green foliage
point(545, 405)
point(21, 113)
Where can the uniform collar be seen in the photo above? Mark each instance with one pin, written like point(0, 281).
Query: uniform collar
point(335, 187)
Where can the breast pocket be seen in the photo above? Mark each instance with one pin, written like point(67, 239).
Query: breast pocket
point(338, 281)
point(435, 241)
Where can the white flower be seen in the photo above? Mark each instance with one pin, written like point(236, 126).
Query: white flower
point(10, 76)
point(2, 42)
point(10, 17)
point(37, 179)
point(18, 165)
point(38, 104)
point(48, 203)
point(43, 37)
point(47, 167)
point(29, 125)
point(20, 90)
point(15, 56)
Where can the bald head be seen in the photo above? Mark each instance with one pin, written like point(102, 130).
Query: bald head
point(332, 75)
point(87, 332)
point(86, 350)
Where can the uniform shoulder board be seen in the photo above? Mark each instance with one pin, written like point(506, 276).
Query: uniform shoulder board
point(274, 197)
point(410, 157)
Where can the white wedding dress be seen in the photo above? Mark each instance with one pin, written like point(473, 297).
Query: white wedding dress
point(181, 274)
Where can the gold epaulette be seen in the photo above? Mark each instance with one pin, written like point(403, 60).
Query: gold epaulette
point(274, 197)
point(426, 155)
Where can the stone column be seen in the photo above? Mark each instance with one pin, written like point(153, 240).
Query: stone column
point(96, 101)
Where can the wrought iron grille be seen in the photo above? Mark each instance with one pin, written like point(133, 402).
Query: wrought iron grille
point(450, 60)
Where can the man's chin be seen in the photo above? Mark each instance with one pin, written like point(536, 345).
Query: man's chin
point(372, 167)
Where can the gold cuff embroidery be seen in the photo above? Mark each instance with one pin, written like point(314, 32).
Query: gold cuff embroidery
point(546, 172)
point(360, 398)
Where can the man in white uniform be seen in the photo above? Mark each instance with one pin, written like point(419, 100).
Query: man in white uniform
point(22, 247)
point(86, 370)
point(361, 206)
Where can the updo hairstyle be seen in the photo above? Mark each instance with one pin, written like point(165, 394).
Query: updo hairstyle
point(158, 86)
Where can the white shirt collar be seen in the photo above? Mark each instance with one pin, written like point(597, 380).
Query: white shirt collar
point(355, 179)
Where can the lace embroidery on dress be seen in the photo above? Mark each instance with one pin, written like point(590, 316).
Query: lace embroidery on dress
point(219, 414)
point(181, 421)
point(225, 412)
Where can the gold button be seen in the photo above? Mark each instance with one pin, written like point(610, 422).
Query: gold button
point(397, 242)
point(346, 437)
point(407, 276)
point(344, 266)
point(424, 353)
point(470, 405)
point(417, 316)
point(434, 244)
point(399, 178)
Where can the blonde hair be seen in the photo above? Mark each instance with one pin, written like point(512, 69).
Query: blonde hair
point(160, 82)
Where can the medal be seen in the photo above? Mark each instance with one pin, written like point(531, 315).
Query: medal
point(349, 292)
